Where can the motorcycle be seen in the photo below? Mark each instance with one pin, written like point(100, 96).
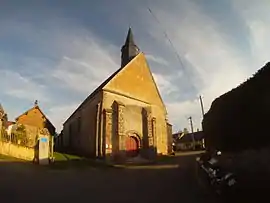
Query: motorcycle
point(223, 182)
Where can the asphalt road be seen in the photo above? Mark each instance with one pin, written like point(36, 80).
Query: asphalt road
point(173, 180)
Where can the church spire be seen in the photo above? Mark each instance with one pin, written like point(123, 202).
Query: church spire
point(129, 49)
point(129, 39)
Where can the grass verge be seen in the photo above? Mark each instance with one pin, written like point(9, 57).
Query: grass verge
point(66, 161)
point(9, 158)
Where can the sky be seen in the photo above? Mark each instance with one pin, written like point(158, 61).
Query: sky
point(59, 51)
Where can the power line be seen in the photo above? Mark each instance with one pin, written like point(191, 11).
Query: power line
point(167, 37)
point(180, 61)
point(172, 45)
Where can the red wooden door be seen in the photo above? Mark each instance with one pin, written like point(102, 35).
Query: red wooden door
point(132, 146)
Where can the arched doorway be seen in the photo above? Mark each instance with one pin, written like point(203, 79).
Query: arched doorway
point(132, 146)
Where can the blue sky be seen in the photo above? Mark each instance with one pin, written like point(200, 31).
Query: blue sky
point(59, 51)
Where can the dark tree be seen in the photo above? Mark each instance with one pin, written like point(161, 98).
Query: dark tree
point(239, 119)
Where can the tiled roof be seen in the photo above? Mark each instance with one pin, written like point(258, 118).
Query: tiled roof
point(35, 107)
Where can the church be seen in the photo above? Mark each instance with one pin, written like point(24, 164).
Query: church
point(124, 117)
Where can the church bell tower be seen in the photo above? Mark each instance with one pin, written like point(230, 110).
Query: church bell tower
point(129, 49)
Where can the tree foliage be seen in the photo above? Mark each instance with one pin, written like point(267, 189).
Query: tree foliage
point(20, 133)
point(238, 119)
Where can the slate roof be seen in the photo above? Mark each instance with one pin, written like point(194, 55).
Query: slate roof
point(198, 136)
point(130, 38)
point(98, 89)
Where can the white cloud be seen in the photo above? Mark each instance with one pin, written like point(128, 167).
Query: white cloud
point(19, 87)
point(157, 59)
point(84, 60)
point(178, 111)
point(218, 64)
point(85, 71)
point(257, 18)
point(59, 114)
point(164, 84)
point(82, 71)
point(72, 58)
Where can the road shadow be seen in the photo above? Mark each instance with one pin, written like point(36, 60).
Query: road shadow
point(25, 181)
point(248, 190)
point(145, 157)
point(84, 163)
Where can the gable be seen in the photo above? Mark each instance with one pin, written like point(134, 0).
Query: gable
point(34, 117)
point(136, 80)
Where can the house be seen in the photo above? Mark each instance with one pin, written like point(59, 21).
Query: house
point(124, 117)
point(187, 141)
point(36, 118)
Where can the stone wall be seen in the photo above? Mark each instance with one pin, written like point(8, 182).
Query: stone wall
point(81, 131)
point(135, 85)
point(122, 121)
point(159, 132)
point(17, 151)
point(20, 150)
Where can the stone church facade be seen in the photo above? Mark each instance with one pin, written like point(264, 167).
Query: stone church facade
point(124, 117)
